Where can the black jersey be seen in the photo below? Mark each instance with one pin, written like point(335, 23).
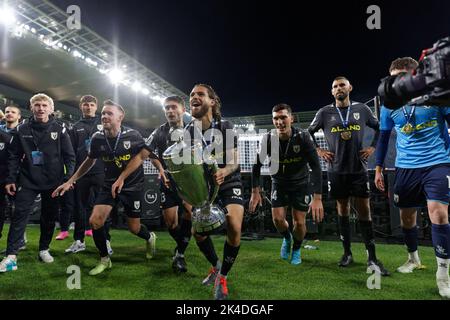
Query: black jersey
point(81, 135)
point(345, 142)
point(5, 139)
point(116, 153)
point(40, 155)
point(225, 137)
point(293, 157)
point(159, 141)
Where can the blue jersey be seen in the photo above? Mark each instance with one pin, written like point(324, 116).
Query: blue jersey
point(427, 143)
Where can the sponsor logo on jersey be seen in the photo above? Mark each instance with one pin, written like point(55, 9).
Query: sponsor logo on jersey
point(151, 196)
point(354, 127)
point(124, 157)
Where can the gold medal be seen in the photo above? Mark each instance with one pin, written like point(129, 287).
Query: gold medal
point(346, 135)
point(408, 128)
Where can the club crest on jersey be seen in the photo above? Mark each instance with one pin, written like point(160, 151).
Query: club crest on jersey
point(137, 205)
point(127, 144)
point(297, 148)
point(2, 146)
point(99, 127)
point(307, 199)
point(54, 135)
point(237, 192)
point(356, 115)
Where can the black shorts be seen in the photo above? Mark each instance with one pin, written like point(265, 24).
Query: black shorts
point(296, 197)
point(341, 186)
point(131, 201)
point(414, 187)
point(169, 197)
point(230, 196)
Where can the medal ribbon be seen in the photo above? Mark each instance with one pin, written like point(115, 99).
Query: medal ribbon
point(115, 146)
point(410, 115)
point(344, 123)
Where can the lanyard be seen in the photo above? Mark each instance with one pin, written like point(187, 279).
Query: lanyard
point(410, 115)
point(116, 144)
point(287, 148)
point(288, 144)
point(38, 142)
point(344, 123)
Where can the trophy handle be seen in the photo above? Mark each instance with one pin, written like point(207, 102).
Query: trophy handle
point(210, 170)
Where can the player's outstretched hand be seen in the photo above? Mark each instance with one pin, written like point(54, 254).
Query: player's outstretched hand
point(59, 192)
point(325, 154)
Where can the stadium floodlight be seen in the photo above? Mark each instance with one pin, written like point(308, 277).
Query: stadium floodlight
point(76, 54)
point(145, 91)
point(18, 31)
point(116, 76)
point(91, 62)
point(136, 86)
point(7, 15)
point(159, 99)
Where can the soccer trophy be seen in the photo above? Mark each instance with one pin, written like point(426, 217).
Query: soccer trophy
point(195, 183)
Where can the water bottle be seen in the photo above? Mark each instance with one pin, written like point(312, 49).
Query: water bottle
point(309, 247)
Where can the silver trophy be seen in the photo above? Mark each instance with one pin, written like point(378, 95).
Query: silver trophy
point(195, 183)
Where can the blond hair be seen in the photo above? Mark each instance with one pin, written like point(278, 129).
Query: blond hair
point(41, 96)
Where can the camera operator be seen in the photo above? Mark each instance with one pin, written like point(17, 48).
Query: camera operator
point(428, 84)
point(422, 174)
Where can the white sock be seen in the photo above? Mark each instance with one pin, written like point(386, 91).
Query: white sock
point(414, 256)
point(12, 257)
point(442, 270)
point(104, 259)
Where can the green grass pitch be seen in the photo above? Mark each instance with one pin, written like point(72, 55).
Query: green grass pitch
point(257, 274)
